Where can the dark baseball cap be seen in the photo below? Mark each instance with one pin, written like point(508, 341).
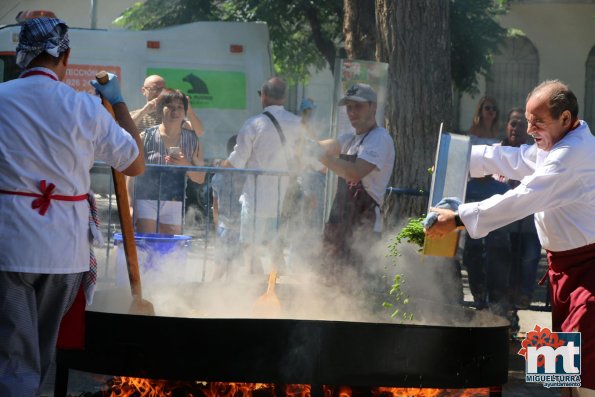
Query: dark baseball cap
point(359, 92)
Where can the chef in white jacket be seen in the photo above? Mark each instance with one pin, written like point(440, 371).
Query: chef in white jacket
point(557, 176)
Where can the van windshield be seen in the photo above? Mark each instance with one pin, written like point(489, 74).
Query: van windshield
point(8, 67)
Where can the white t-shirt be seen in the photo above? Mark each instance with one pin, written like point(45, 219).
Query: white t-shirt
point(49, 131)
point(557, 186)
point(259, 147)
point(378, 149)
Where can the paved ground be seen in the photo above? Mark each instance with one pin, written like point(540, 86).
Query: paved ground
point(538, 314)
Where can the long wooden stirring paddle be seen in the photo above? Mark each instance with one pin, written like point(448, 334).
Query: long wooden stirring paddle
point(138, 305)
point(268, 305)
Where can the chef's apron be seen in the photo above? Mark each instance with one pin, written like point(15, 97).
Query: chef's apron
point(572, 289)
point(71, 334)
point(351, 220)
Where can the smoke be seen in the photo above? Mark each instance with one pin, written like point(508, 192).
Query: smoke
point(306, 289)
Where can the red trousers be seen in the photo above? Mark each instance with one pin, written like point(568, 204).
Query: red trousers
point(572, 288)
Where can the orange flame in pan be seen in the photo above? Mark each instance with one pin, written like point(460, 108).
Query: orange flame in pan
point(139, 387)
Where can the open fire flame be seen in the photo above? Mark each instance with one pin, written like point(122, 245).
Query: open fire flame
point(121, 386)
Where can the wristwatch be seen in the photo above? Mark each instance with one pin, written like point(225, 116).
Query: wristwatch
point(458, 221)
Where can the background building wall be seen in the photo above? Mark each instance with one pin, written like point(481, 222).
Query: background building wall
point(562, 32)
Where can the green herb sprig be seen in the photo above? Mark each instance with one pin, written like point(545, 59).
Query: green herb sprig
point(412, 233)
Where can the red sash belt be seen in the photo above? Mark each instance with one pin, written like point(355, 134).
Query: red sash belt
point(44, 199)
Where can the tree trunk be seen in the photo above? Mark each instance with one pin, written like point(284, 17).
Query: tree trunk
point(413, 37)
point(359, 29)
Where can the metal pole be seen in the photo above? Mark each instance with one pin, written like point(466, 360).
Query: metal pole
point(93, 15)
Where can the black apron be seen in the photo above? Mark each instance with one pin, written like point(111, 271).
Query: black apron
point(350, 222)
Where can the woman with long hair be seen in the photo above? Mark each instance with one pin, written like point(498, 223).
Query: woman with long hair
point(485, 119)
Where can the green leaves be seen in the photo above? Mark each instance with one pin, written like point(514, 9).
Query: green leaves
point(475, 35)
point(306, 33)
point(155, 14)
point(397, 299)
point(297, 27)
point(412, 233)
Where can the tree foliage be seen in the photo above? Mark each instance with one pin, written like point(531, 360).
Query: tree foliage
point(474, 35)
point(155, 14)
point(307, 33)
point(303, 33)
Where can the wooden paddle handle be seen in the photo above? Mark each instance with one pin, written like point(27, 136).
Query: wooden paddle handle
point(127, 233)
point(124, 212)
point(272, 282)
point(102, 78)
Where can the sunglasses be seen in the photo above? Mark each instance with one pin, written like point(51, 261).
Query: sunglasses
point(153, 89)
point(489, 108)
point(259, 93)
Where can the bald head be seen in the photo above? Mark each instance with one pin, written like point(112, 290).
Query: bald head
point(153, 86)
point(155, 79)
point(273, 92)
point(558, 97)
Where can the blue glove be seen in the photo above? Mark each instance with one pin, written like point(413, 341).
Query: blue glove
point(449, 203)
point(110, 90)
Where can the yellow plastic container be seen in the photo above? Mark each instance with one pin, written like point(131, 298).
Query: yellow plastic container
point(445, 246)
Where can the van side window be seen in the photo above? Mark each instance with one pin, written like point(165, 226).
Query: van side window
point(8, 67)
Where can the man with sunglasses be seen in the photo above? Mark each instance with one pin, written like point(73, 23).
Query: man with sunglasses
point(148, 116)
point(557, 177)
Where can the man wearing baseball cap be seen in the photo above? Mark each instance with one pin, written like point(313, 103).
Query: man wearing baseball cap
point(363, 160)
point(50, 136)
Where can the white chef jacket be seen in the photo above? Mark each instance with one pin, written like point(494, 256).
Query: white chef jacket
point(259, 147)
point(557, 186)
point(48, 131)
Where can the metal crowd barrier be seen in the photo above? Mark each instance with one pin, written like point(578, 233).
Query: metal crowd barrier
point(197, 216)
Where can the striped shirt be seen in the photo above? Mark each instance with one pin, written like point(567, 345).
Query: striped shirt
point(147, 120)
point(170, 186)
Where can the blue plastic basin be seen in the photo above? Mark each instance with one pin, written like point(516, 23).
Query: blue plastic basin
point(152, 249)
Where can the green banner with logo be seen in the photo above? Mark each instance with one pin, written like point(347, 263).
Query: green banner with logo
point(207, 89)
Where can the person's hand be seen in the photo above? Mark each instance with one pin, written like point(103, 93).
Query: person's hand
point(110, 90)
point(443, 222)
point(150, 106)
point(177, 159)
